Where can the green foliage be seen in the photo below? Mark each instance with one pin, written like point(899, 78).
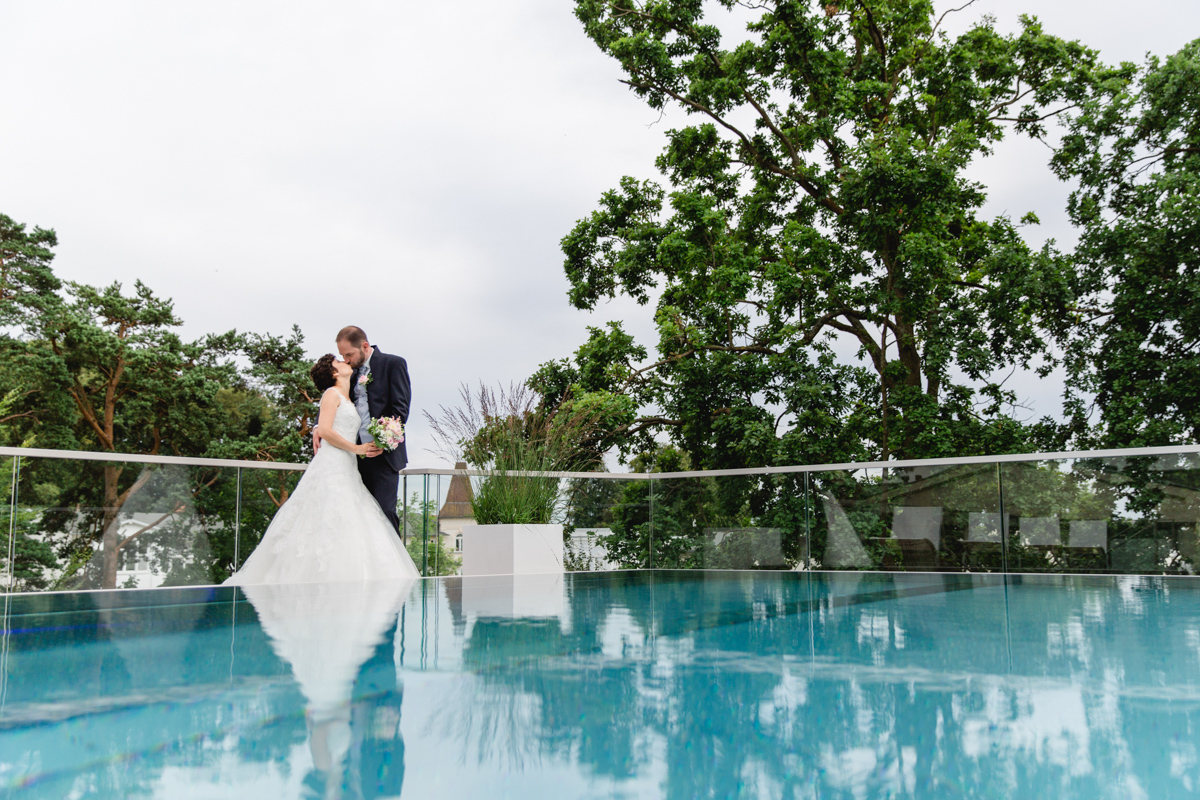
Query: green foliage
point(521, 440)
point(515, 501)
point(437, 556)
point(589, 502)
point(27, 283)
point(89, 368)
point(138, 387)
point(32, 557)
point(273, 406)
point(1135, 154)
point(822, 193)
point(425, 545)
point(664, 524)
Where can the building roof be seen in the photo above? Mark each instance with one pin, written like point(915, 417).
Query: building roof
point(458, 498)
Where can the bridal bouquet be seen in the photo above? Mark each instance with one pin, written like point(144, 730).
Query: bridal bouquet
point(388, 432)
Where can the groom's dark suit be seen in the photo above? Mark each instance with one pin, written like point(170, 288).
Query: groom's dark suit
point(388, 395)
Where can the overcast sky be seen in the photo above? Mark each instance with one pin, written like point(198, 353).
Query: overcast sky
point(407, 167)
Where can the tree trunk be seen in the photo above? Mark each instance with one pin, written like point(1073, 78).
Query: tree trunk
point(109, 552)
point(114, 501)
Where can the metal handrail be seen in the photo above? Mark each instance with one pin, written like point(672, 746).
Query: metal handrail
point(135, 458)
point(84, 455)
point(800, 468)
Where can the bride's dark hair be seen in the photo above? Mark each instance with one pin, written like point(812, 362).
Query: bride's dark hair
point(323, 374)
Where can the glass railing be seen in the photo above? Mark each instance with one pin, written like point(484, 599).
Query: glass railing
point(87, 521)
point(77, 521)
point(1134, 511)
point(431, 529)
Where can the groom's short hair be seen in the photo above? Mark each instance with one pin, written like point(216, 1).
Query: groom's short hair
point(352, 334)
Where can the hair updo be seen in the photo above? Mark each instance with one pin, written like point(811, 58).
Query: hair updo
point(323, 372)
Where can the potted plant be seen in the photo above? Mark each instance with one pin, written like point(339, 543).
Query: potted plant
point(521, 447)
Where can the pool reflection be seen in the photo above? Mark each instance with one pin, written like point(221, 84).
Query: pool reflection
point(862, 685)
point(666, 684)
point(327, 634)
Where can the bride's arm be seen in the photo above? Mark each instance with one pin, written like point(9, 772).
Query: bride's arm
point(329, 406)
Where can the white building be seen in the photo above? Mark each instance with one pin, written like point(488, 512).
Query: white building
point(456, 511)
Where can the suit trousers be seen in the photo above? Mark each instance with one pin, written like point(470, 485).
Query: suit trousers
point(383, 483)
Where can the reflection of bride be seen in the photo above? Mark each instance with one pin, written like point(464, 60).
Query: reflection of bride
point(326, 632)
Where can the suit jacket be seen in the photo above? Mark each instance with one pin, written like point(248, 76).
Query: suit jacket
point(388, 395)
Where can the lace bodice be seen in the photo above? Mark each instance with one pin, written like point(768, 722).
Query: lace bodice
point(346, 421)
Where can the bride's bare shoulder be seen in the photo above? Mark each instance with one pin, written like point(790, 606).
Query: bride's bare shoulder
point(332, 393)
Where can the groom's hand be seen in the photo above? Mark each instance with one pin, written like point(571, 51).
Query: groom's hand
point(372, 451)
point(316, 441)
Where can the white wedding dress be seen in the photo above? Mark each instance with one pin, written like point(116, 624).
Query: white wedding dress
point(330, 529)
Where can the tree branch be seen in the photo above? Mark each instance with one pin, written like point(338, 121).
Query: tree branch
point(761, 162)
point(79, 395)
point(134, 488)
point(179, 508)
point(643, 423)
point(1045, 116)
point(945, 14)
point(283, 497)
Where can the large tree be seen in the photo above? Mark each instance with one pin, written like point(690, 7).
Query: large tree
point(1135, 366)
point(820, 197)
point(105, 369)
point(136, 387)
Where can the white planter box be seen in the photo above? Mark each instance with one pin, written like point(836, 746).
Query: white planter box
point(511, 549)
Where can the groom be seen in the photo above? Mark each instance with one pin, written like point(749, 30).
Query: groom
point(379, 387)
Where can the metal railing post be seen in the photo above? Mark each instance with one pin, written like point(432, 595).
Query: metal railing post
point(650, 518)
point(425, 528)
point(1003, 518)
point(807, 524)
point(237, 524)
point(437, 530)
point(12, 526)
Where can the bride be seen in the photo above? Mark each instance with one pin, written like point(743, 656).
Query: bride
point(331, 528)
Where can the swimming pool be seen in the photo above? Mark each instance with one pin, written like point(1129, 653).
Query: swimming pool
point(628, 684)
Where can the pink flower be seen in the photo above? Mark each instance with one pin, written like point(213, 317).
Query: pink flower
point(388, 432)
point(362, 379)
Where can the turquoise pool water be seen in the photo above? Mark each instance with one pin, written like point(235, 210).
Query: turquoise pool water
point(642, 684)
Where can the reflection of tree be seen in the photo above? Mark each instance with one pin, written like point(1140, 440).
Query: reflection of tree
point(767, 685)
point(221, 514)
point(153, 687)
point(795, 685)
point(515, 718)
point(191, 526)
point(149, 673)
point(1145, 511)
point(520, 717)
